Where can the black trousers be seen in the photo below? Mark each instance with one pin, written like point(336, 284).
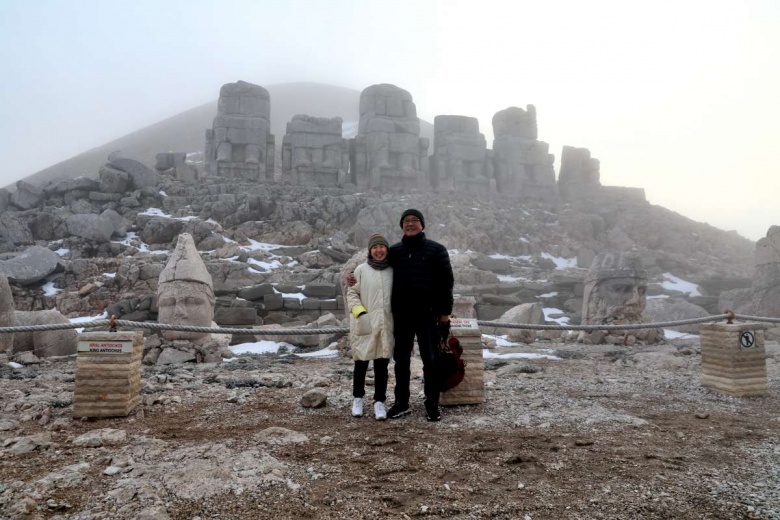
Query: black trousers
point(425, 329)
point(380, 379)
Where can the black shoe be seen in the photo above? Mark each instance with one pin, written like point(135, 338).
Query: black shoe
point(398, 410)
point(432, 413)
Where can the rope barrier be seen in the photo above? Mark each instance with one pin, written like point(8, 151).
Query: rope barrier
point(113, 324)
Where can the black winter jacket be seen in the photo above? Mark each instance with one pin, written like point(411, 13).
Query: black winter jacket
point(422, 277)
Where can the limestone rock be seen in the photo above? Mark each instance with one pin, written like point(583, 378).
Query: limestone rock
point(26, 196)
point(113, 180)
point(92, 227)
point(15, 231)
point(102, 437)
point(314, 398)
point(45, 343)
point(280, 436)
point(141, 175)
point(161, 230)
point(172, 356)
point(32, 265)
point(672, 309)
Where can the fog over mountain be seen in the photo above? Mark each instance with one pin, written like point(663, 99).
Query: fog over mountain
point(184, 132)
point(676, 98)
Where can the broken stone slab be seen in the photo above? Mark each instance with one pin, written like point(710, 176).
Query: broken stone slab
point(15, 230)
point(44, 343)
point(26, 196)
point(102, 437)
point(113, 180)
point(5, 199)
point(326, 290)
point(92, 227)
point(172, 356)
point(141, 175)
point(255, 292)
point(30, 266)
point(314, 398)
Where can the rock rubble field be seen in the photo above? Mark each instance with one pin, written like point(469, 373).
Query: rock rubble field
point(584, 431)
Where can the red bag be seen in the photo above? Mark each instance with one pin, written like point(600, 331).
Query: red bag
point(452, 369)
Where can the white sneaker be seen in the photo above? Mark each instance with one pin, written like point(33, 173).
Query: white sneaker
point(357, 407)
point(379, 411)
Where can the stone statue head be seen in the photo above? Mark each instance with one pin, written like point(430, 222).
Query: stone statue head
point(185, 294)
point(615, 289)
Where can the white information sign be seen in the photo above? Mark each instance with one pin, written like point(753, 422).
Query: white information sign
point(463, 323)
point(106, 347)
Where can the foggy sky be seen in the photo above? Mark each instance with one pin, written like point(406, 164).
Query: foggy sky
point(677, 97)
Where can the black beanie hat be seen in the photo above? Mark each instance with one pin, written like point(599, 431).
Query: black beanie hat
point(415, 213)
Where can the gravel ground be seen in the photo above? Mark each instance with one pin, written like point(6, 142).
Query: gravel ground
point(599, 433)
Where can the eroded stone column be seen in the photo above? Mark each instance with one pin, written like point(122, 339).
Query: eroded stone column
point(460, 161)
point(388, 153)
point(523, 166)
point(240, 144)
point(615, 294)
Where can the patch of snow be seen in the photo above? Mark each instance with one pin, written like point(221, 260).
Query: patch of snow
point(163, 193)
point(155, 212)
point(523, 239)
point(14, 364)
point(564, 320)
point(486, 354)
point(132, 240)
point(298, 296)
point(657, 296)
point(548, 295)
point(260, 347)
point(87, 319)
point(268, 266)
point(673, 334)
point(324, 353)
point(109, 275)
point(254, 245)
point(507, 278)
point(501, 341)
point(49, 289)
point(561, 263)
point(62, 251)
point(673, 283)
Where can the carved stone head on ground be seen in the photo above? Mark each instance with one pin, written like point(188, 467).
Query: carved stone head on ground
point(615, 289)
point(185, 293)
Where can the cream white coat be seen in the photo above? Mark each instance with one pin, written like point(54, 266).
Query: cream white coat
point(371, 336)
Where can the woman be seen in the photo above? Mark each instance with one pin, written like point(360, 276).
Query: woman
point(371, 324)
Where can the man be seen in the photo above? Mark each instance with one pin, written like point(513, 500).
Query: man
point(421, 299)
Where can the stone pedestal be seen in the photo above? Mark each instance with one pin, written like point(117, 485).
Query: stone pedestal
point(108, 374)
point(463, 307)
point(472, 389)
point(733, 359)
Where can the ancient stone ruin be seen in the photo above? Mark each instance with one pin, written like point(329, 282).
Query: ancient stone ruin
point(523, 166)
point(460, 158)
point(313, 151)
point(240, 144)
point(185, 292)
point(388, 152)
point(579, 177)
point(615, 293)
point(766, 282)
